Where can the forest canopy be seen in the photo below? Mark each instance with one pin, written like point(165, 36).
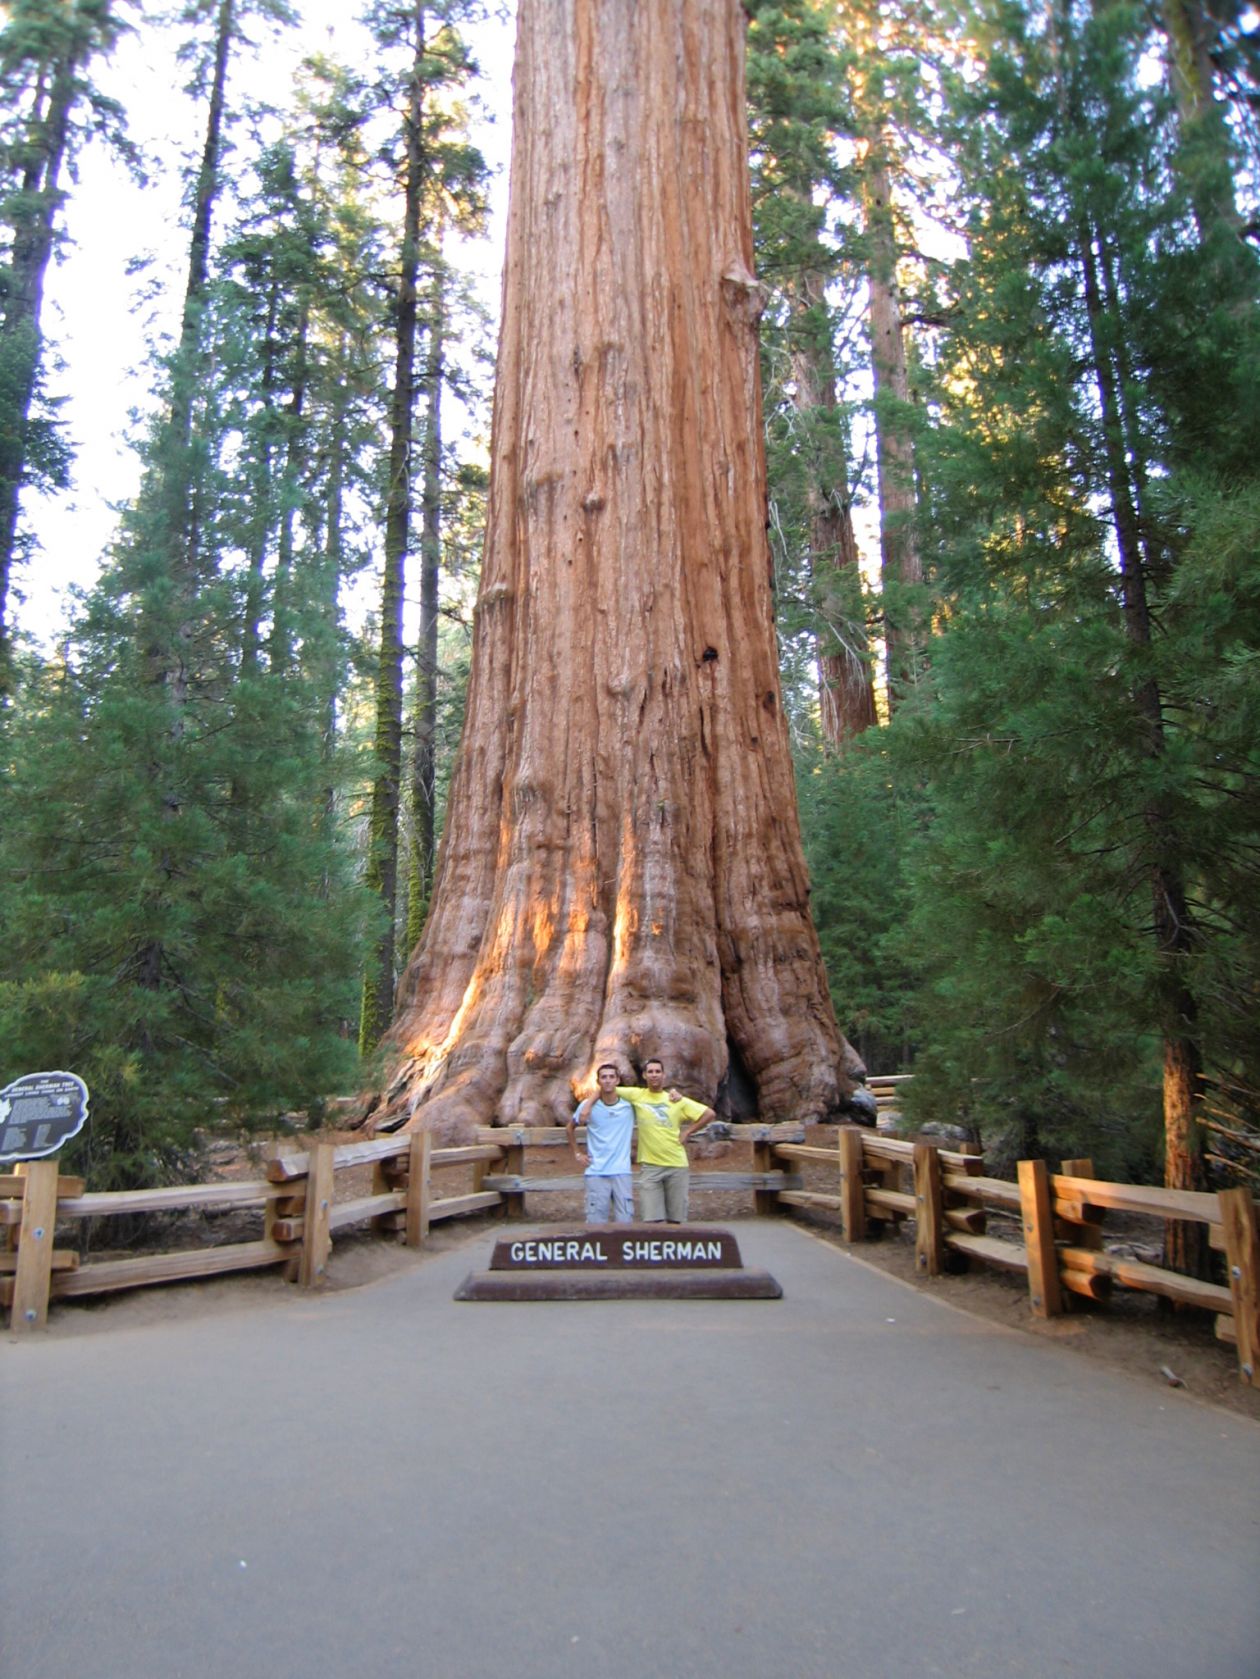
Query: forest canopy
point(1011, 384)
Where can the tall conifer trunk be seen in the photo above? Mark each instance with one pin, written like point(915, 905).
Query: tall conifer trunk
point(382, 871)
point(280, 642)
point(1192, 31)
point(1171, 917)
point(424, 756)
point(621, 871)
point(168, 614)
point(846, 692)
point(901, 563)
point(1172, 922)
point(179, 476)
point(261, 512)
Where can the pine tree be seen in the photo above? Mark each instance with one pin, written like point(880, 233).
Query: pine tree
point(424, 748)
point(46, 51)
point(884, 48)
point(196, 969)
point(434, 164)
point(797, 113)
point(1077, 803)
point(179, 876)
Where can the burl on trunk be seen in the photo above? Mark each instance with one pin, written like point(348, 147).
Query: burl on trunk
point(621, 873)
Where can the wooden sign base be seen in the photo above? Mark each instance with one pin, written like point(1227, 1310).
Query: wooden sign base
point(619, 1262)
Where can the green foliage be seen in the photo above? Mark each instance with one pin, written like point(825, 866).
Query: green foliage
point(1026, 926)
point(1049, 802)
point(181, 920)
point(983, 866)
point(858, 819)
point(799, 110)
point(48, 109)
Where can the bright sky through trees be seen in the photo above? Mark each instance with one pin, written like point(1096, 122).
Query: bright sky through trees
point(118, 286)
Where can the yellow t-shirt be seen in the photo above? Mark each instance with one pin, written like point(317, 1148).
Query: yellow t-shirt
point(659, 1121)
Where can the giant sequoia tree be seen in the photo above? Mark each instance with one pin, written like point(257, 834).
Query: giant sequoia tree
point(621, 871)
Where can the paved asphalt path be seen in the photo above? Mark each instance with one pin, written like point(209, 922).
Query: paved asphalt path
point(854, 1482)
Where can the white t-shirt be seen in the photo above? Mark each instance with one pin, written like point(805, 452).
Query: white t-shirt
point(609, 1130)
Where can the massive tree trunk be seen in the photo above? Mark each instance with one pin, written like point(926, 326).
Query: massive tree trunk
point(621, 872)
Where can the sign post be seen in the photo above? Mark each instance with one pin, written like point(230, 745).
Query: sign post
point(39, 1113)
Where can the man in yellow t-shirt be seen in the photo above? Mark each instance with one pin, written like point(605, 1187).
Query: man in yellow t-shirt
point(663, 1171)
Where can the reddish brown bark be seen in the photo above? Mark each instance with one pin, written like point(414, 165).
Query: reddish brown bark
point(621, 873)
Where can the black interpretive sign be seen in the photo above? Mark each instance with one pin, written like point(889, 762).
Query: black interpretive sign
point(39, 1112)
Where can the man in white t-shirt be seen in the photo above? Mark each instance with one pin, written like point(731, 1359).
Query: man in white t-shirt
point(609, 1125)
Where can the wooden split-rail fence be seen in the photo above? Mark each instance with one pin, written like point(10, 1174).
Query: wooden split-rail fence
point(1061, 1216)
point(300, 1210)
point(876, 1181)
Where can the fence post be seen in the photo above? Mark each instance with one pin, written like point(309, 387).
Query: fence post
point(929, 1212)
point(1088, 1233)
point(290, 1203)
point(33, 1278)
point(316, 1231)
point(1082, 1233)
point(961, 1213)
point(514, 1165)
point(852, 1190)
point(386, 1177)
point(1242, 1253)
point(764, 1200)
point(279, 1207)
point(418, 1188)
point(1043, 1260)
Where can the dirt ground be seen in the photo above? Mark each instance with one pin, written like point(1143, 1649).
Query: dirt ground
point(1134, 1332)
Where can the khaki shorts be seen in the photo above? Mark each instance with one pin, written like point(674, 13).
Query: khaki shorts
point(610, 1200)
point(663, 1194)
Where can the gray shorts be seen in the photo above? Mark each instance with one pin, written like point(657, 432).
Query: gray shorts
point(601, 1192)
point(663, 1194)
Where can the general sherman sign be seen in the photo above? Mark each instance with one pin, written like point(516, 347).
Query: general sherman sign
point(619, 1262)
point(631, 1247)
